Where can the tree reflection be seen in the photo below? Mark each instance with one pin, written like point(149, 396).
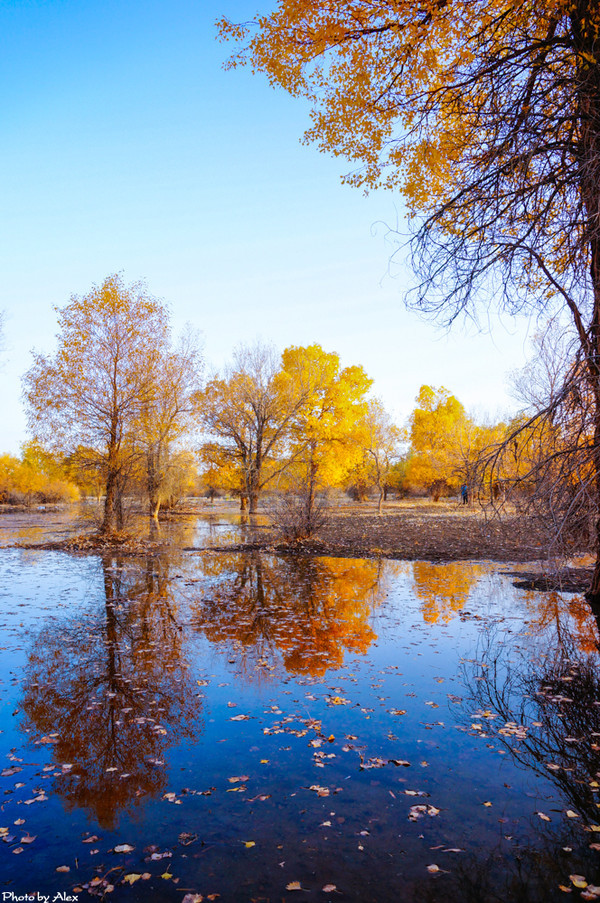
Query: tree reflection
point(541, 698)
point(443, 589)
point(111, 688)
point(309, 611)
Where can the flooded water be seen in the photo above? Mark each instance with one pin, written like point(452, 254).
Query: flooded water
point(239, 726)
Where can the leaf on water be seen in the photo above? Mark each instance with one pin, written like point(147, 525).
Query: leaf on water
point(578, 881)
point(240, 718)
point(397, 711)
point(28, 838)
point(543, 816)
point(337, 700)
point(487, 803)
point(124, 848)
point(249, 843)
point(91, 839)
point(19, 821)
point(433, 868)
point(63, 868)
point(7, 772)
point(166, 875)
point(325, 824)
point(293, 885)
point(329, 888)
point(193, 898)
point(18, 849)
point(571, 814)
point(131, 878)
point(236, 780)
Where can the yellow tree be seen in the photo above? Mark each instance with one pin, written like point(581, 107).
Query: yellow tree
point(437, 425)
point(93, 390)
point(324, 442)
point(486, 115)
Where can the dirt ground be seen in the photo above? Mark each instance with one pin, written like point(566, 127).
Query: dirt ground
point(419, 529)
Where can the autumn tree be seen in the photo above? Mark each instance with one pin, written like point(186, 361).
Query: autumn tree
point(94, 389)
point(249, 411)
point(486, 116)
point(436, 428)
point(380, 445)
point(325, 432)
point(167, 414)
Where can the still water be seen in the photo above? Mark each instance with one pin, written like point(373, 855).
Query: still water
point(240, 725)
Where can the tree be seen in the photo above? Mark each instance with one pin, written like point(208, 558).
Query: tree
point(486, 115)
point(167, 414)
point(324, 439)
point(436, 425)
point(249, 410)
point(380, 446)
point(95, 389)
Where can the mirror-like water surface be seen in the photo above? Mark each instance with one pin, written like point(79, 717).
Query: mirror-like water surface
point(233, 724)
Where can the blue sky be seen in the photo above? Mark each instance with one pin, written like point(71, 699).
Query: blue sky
point(127, 147)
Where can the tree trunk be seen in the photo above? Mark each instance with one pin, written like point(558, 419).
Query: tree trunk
point(589, 149)
point(153, 481)
point(381, 495)
point(111, 502)
point(243, 502)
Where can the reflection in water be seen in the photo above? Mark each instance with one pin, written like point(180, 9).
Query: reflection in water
point(543, 704)
point(111, 692)
point(443, 589)
point(309, 610)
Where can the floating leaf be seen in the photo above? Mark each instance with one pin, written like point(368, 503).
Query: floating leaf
point(63, 868)
point(543, 816)
point(193, 898)
point(124, 848)
point(433, 868)
point(131, 878)
point(578, 881)
point(293, 885)
point(571, 814)
point(248, 843)
point(329, 888)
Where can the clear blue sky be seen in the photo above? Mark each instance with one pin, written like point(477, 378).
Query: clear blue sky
point(126, 147)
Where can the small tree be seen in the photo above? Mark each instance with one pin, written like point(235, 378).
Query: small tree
point(380, 446)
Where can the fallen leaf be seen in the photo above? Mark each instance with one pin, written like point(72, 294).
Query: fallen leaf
point(63, 868)
point(131, 878)
point(329, 888)
point(293, 885)
point(433, 868)
point(578, 881)
point(249, 843)
point(124, 848)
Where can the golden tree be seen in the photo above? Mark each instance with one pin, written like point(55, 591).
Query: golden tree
point(94, 389)
point(437, 425)
point(486, 115)
point(325, 432)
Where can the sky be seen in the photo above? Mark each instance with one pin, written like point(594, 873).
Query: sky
point(127, 147)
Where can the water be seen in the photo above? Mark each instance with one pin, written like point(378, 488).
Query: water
point(243, 722)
